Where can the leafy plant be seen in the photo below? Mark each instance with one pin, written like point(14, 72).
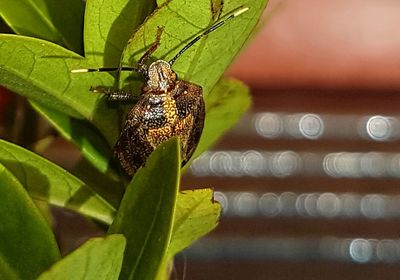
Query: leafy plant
point(149, 219)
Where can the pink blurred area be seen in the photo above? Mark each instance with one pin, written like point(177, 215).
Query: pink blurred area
point(324, 44)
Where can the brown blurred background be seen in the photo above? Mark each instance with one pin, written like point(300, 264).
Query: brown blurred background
point(327, 44)
point(309, 179)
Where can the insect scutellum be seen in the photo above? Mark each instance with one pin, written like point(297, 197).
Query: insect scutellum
point(143, 68)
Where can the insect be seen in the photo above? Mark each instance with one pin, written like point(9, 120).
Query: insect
point(167, 107)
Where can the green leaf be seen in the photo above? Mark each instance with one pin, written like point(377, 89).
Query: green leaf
point(225, 105)
point(207, 60)
point(40, 71)
point(105, 184)
point(97, 259)
point(146, 213)
point(47, 181)
point(81, 133)
point(196, 214)
point(108, 27)
point(27, 244)
point(59, 21)
point(6, 272)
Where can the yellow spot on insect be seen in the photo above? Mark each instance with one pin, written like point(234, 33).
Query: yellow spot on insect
point(158, 135)
point(170, 111)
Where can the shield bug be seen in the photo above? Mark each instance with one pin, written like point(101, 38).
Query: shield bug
point(167, 106)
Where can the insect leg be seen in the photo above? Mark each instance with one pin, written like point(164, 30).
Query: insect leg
point(115, 94)
point(152, 48)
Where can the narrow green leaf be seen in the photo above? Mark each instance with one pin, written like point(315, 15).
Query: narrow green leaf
point(196, 215)
point(97, 259)
point(108, 27)
point(146, 213)
point(225, 105)
point(206, 61)
point(26, 69)
point(89, 141)
point(107, 185)
point(27, 243)
point(41, 71)
point(59, 21)
point(47, 181)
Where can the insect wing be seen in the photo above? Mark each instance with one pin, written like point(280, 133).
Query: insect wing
point(191, 111)
point(132, 147)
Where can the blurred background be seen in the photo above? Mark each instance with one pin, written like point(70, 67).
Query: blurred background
point(309, 179)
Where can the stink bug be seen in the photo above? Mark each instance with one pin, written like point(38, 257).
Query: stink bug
point(167, 107)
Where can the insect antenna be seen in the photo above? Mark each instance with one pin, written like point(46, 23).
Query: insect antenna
point(234, 14)
point(105, 69)
point(142, 68)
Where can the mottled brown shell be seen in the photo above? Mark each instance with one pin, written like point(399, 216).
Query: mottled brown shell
point(158, 116)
